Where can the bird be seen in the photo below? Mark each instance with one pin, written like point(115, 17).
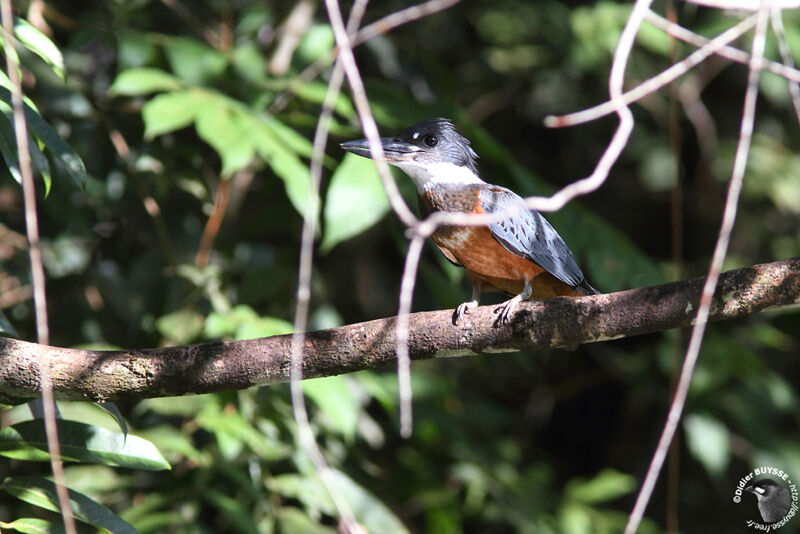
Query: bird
point(773, 499)
point(521, 255)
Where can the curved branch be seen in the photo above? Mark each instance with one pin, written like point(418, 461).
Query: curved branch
point(228, 365)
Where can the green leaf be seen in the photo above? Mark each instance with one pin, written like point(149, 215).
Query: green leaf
point(263, 327)
point(286, 164)
point(32, 525)
point(8, 147)
point(228, 133)
point(355, 201)
point(180, 327)
point(575, 519)
point(134, 49)
point(171, 111)
point(177, 445)
point(249, 63)
point(607, 485)
point(52, 141)
point(142, 81)
point(292, 519)
point(317, 42)
point(42, 493)
point(188, 406)
point(80, 443)
point(288, 136)
point(368, 509)
point(242, 322)
point(6, 328)
point(114, 412)
point(336, 402)
point(233, 510)
point(709, 442)
point(232, 431)
point(39, 44)
point(315, 92)
point(306, 489)
point(194, 61)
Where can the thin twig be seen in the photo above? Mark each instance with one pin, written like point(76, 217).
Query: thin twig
point(696, 111)
point(786, 57)
point(148, 201)
point(618, 104)
point(379, 27)
point(37, 269)
point(720, 250)
point(676, 225)
point(15, 296)
point(347, 520)
point(214, 222)
point(291, 32)
point(749, 5)
point(403, 356)
point(370, 128)
point(728, 52)
point(189, 18)
point(365, 114)
point(713, 46)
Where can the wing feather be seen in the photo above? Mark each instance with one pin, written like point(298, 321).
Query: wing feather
point(528, 235)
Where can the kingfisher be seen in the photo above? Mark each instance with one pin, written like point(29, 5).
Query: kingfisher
point(521, 255)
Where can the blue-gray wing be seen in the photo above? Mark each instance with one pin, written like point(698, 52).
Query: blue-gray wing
point(527, 234)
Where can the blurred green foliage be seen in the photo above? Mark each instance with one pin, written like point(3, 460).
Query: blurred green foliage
point(167, 102)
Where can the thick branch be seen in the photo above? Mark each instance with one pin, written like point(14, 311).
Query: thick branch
point(229, 365)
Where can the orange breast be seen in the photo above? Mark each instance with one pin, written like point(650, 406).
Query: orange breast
point(492, 267)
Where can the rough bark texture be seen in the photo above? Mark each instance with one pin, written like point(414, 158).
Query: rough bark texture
point(229, 365)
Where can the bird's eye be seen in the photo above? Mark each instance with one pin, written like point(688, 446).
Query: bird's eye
point(431, 140)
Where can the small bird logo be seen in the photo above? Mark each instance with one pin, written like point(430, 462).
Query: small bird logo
point(774, 500)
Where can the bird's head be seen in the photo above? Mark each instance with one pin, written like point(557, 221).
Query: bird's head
point(430, 152)
point(763, 488)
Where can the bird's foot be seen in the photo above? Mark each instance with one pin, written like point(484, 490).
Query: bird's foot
point(506, 309)
point(465, 308)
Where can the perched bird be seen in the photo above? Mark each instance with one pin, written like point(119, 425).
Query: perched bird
point(773, 499)
point(521, 255)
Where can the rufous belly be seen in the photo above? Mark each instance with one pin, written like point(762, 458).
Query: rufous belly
point(492, 267)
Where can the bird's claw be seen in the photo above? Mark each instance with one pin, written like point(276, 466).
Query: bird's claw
point(506, 310)
point(465, 308)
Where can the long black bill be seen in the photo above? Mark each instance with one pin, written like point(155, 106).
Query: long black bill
point(394, 149)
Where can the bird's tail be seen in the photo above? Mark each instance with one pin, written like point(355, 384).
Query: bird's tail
point(585, 289)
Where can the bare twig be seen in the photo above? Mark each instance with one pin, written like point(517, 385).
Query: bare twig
point(347, 520)
point(720, 250)
point(190, 19)
point(14, 296)
point(214, 220)
point(748, 5)
point(696, 111)
point(399, 206)
point(365, 114)
point(403, 311)
point(656, 82)
point(292, 30)
point(728, 52)
point(37, 269)
point(148, 202)
point(12, 238)
point(379, 27)
point(619, 105)
point(786, 57)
